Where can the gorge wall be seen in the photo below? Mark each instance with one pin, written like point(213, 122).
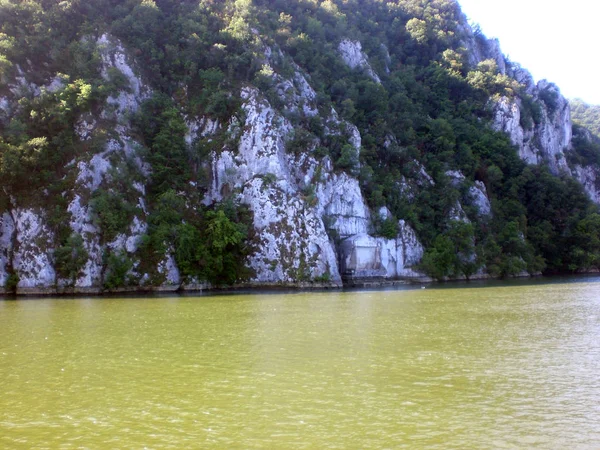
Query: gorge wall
point(311, 224)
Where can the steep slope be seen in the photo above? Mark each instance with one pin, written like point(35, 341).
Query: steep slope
point(174, 145)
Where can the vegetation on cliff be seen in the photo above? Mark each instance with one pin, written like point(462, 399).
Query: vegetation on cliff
point(428, 108)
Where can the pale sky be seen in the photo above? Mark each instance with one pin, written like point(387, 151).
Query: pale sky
point(553, 39)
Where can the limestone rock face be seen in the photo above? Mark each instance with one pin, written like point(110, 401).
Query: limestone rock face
point(114, 57)
point(351, 52)
point(540, 140)
point(479, 197)
point(299, 202)
point(94, 172)
point(32, 258)
point(7, 230)
point(305, 213)
point(480, 48)
point(291, 242)
point(168, 269)
point(365, 256)
point(342, 204)
point(589, 177)
point(545, 141)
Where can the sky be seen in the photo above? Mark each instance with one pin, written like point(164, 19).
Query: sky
point(554, 40)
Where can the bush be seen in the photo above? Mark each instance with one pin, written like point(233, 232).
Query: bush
point(388, 228)
point(71, 258)
point(12, 282)
point(112, 214)
point(117, 270)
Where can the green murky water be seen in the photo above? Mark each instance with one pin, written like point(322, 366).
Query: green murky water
point(484, 367)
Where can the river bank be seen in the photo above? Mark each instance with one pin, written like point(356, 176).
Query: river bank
point(205, 288)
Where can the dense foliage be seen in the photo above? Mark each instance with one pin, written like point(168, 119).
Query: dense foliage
point(429, 111)
point(586, 115)
point(586, 133)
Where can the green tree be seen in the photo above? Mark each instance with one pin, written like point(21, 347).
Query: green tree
point(71, 258)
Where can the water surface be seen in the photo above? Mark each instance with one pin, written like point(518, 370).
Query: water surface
point(479, 367)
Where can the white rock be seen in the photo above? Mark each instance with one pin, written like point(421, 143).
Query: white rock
point(113, 54)
point(92, 173)
point(456, 177)
point(384, 213)
point(479, 198)
point(413, 250)
point(353, 56)
point(23, 88)
point(457, 213)
point(424, 177)
point(32, 259)
point(136, 230)
point(293, 244)
point(479, 48)
point(291, 240)
point(340, 200)
point(306, 93)
point(55, 85)
point(168, 268)
point(386, 58)
point(202, 127)
point(84, 129)
point(129, 242)
point(7, 230)
point(296, 94)
point(548, 140)
point(589, 177)
point(81, 223)
point(364, 256)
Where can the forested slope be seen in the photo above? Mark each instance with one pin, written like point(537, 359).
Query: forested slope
point(167, 144)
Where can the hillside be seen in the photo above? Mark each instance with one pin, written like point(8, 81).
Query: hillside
point(167, 145)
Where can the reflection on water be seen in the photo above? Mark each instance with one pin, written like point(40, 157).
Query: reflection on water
point(508, 366)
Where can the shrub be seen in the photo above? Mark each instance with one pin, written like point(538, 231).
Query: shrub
point(117, 270)
point(71, 258)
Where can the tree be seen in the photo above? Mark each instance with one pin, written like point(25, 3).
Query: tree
point(70, 258)
point(439, 261)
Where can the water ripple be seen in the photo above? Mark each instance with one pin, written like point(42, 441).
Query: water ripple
point(479, 368)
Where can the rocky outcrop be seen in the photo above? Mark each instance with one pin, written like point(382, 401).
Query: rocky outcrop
point(302, 208)
point(479, 198)
point(478, 47)
point(93, 173)
point(364, 256)
point(299, 203)
point(547, 138)
point(355, 58)
point(32, 252)
point(476, 196)
point(543, 137)
point(291, 242)
point(115, 58)
point(589, 177)
point(7, 230)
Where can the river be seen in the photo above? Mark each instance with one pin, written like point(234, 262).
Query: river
point(482, 366)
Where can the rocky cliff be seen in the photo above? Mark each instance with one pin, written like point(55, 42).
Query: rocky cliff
point(310, 222)
point(301, 165)
point(537, 119)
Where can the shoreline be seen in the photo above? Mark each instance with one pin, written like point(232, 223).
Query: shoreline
point(364, 283)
